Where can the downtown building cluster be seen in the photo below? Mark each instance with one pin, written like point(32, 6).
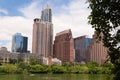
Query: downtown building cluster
point(64, 49)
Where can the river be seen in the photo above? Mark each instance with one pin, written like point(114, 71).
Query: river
point(55, 77)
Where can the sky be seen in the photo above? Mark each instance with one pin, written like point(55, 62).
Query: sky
point(16, 16)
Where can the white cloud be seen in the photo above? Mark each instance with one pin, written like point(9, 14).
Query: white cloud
point(31, 11)
point(11, 25)
point(76, 19)
point(3, 11)
point(73, 16)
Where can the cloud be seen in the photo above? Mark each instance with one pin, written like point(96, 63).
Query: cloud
point(31, 11)
point(5, 43)
point(73, 15)
point(11, 25)
point(3, 11)
point(75, 19)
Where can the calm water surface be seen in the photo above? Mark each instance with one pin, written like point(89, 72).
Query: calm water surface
point(55, 77)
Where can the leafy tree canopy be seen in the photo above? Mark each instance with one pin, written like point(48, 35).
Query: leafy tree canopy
point(105, 18)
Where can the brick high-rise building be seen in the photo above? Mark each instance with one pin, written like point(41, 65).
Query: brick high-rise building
point(64, 46)
point(96, 51)
point(43, 34)
point(81, 44)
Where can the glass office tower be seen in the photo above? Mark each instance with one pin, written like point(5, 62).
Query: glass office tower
point(19, 43)
point(46, 14)
point(81, 45)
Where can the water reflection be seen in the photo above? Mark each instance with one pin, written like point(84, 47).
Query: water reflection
point(56, 77)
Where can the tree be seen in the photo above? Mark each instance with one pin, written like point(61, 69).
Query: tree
point(105, 18)
point(33, 61)
point(12, 61)
point(93, 67)
point(37, 68)
point(22, 66)
point(58, 69)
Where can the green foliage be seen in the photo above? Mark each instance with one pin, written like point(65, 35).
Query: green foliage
point(117, 72)
point(25, 71)
point(19, 60)
point(117, 75)
point(106, 70)
point(12, 61)
point(58, 69)
point(84, 69)
point(23, 68)
point(37, 69)
point(105, 18)
point(33, 61)
point(92, 64)
point(68, 64)
point(79, 69)
point(23, 65)
point(110, 65)
point(93, 67)
point(19, 71)
point(8, 68)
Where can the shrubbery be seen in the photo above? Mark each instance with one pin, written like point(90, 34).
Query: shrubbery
point(8, 68)
point(90, 68)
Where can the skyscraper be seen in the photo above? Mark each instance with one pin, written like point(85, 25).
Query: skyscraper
point(81, 44)
point(25, 43)
point(46, 14)
point(64, 46)
point(43, 34)
point(97, 52)
point(19, 43)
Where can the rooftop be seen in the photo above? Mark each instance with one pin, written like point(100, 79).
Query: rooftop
point(64, 32)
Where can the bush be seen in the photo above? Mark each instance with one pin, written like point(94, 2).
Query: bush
point(92, 68)
point(58, 69)
point(8, 68)
point(37, 69)
point(23, 65)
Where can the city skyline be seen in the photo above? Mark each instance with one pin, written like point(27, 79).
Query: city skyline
point(66, 14)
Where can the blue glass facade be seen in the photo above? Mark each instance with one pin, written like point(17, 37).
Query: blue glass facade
point(19, 43)
point(88, 40)
point(81, 44)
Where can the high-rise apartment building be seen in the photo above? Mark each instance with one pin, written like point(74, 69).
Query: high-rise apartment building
point(43, 34)
point(19, 43)
point(96, 51)
point(46, 15)
point(81, 44)
point(64, 46)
